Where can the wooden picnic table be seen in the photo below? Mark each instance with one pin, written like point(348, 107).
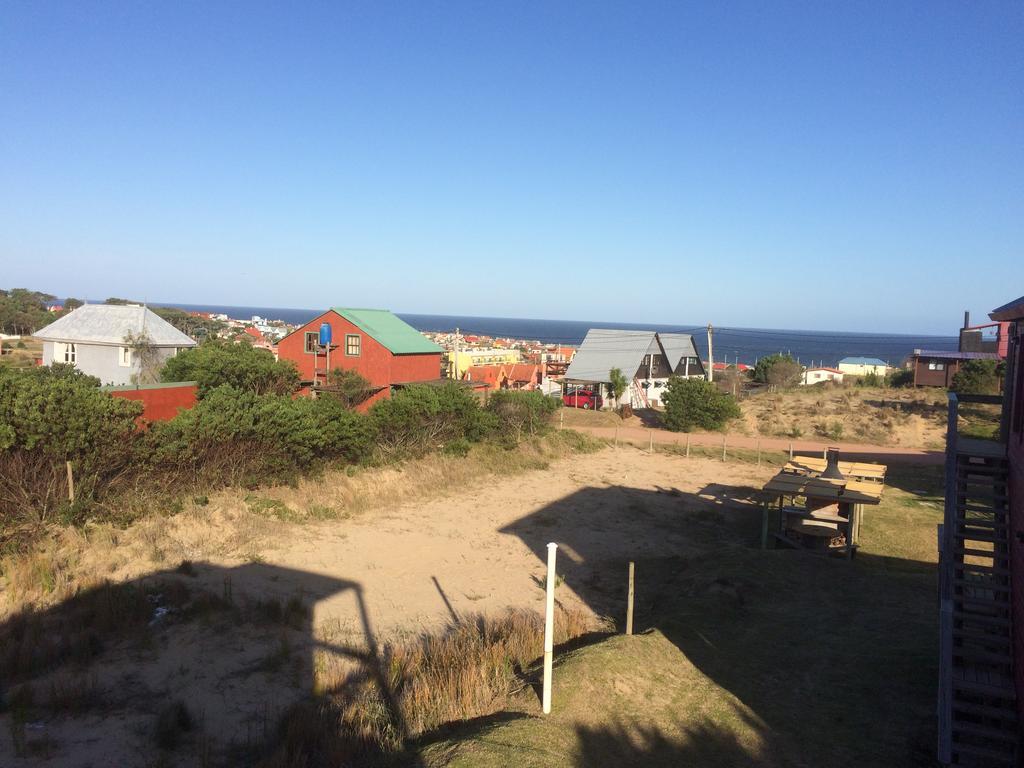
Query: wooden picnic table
point(856, 470)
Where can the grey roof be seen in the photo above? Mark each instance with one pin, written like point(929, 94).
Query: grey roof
point(110, 323)
point(948, 355)
point(1013, 310)
point(678, 347)
point(604, 349)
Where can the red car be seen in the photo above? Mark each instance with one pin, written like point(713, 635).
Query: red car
point(582, 398)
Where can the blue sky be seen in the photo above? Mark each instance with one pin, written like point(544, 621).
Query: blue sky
point(850, 166)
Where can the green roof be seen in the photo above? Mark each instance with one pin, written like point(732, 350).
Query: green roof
point(391, 331)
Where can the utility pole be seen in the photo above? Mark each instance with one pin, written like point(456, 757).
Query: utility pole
point(711, 357)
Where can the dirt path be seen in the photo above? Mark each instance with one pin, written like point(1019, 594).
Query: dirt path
point(884, 453)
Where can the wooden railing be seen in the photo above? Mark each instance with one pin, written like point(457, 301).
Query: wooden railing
point(946, 540)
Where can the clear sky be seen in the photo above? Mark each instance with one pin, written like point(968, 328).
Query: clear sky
point(852, 166)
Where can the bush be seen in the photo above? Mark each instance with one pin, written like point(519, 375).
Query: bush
point(521, 413)
point(901, 377)
point(870, 379)
point(419, 418)
point(977, 377)
point(215, 363)
point(236, 436)
point(693, 403)
point(349, 387)
point(52, 415)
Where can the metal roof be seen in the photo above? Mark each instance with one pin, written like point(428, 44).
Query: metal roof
point(1013, 310)
point(862, 361)
point(604, 349)
point(110, 324)
point(948, 355)
point(678, 347)
point(394, 333)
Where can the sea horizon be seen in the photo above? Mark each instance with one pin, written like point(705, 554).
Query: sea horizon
point(823, 347)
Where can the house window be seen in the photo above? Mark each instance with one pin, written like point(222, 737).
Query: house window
point(353, 342)
point(70, 353)
point(936, 365)
point(312, 339)
point(124, 357)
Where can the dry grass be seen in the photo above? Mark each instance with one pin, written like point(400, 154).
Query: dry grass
point(475, 667)
point(910, 417)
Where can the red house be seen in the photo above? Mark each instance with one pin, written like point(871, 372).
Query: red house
point(386, 351)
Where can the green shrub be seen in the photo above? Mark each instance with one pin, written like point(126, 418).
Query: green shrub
point(236, 436)
point(693, 403)
point(870, 379)
point(52, 415)
point(977, 377)
point(216, 363)
point(520, 413)
point(419, 418)
point(901, 377)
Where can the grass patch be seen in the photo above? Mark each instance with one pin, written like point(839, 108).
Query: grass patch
point(472, 669)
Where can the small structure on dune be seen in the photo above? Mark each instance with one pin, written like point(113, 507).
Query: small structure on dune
point(834, 494)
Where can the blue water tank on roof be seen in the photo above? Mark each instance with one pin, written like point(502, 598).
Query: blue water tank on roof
point(325, 334)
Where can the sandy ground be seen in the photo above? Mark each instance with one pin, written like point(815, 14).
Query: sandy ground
point(382, 574)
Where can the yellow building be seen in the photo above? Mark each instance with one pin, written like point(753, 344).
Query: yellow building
point(465, 358)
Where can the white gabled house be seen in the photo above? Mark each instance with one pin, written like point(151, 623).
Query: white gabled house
point(646, 358)
point(94, 338)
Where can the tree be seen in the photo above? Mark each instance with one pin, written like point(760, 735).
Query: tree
point(617, 384)
point(777, 371)
point(71, 304)
point(23, 311)
point(693, 403)
point(216, 362)
point(977, 377)
point(348, 387)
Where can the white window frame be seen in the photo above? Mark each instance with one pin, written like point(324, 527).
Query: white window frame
point(124, 357)
point(307, 347)
point(64, 352)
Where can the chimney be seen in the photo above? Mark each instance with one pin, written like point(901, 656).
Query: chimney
point(832, 467)
point(967, 319)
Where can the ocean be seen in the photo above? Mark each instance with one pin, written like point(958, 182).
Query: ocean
point(730, 344)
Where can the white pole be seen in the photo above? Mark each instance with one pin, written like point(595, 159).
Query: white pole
point(711, 357)
point(549, 628)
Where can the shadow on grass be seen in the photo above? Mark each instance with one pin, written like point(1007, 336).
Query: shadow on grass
point(821, 651)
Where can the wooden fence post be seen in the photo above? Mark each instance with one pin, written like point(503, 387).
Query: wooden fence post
point(629, 600)
point(687, 446)
point(723, 447)
point(71, 482)
point(764, 526)
point(791, 450)
point(652, 441)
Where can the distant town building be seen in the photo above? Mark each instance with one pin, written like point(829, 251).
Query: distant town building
point(862, 366)
point(646, 359)
point(460, 360)
point(819, 375)
point(94, 338)
point(385, 350)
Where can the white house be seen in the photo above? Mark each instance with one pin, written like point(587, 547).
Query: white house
point(818, 375)
point(94, 338)
point(862, 366)
point(646, 359)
